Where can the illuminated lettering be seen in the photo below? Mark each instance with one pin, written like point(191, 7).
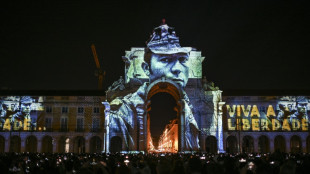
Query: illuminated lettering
point(245, 124)
point(230, 126)
point(264, 125)
point(246, 111)
point(255, 111)
point(7, 124)
point(17, 125)
point(238, 111)
point(286, 125)
point(27, 124)
point(238, 124)
point(241, 113)
point(295, 124)
point(255, 124)
point(270, 111)
point(231, 111)
point(275, 125)
point(304, 124)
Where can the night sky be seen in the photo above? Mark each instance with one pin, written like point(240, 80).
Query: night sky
point(248, 44)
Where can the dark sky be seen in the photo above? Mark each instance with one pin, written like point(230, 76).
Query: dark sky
point(248, 44)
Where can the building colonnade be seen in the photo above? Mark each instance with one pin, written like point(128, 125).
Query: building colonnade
point(51, 143)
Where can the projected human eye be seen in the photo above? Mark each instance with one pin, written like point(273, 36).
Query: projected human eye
point(183, 59)
point(165, 60)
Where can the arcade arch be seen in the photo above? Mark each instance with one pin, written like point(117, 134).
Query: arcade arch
point(247, 144)
point(279, 143)
point(263, 144)
point(95, 144)
point(295, 142)
point(231, 144)
point(63, 144)
point(308, 144)
point(79, 144)
point(2, 144)
point(116, 144)
point(31, 144)
point(15, 144)
point(47, 144)
point(211, 144)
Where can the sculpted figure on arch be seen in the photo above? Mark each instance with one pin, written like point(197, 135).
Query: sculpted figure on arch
point(164, 57)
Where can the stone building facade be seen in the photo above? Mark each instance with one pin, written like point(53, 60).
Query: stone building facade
point(62, 124)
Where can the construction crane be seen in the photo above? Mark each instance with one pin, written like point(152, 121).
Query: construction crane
point(99, 71)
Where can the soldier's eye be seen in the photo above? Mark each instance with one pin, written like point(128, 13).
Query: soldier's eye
point(183, 59)
point(165, 60)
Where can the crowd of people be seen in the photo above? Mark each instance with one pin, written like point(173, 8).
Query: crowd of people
point(157, 163)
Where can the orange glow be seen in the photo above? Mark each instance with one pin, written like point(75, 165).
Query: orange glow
point(168, 141)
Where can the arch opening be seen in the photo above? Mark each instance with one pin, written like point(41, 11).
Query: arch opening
point(2, 144)
point(79, 145)
point(63, 144)
point(47, 144)
point(263, 144)
point(308, 144)
point(231, 144)
point(15, 144)
point(116, 144)
point(163, 114)
point(211, 144)
point(31, 144)
point(95, 145)
point(296, 146)
point(279, 143)
point(247, 144)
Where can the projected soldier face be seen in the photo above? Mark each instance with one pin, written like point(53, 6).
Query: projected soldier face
point(302, 107)
point(171, 66)
point(6, 107)
point(25, 107)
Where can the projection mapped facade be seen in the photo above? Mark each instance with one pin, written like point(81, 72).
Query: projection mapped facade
point(122, 120)
point(266, 123)
point(51, 124)
point(162, 67)
point(15, 113)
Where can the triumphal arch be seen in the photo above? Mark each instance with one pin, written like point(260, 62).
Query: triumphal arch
point(163, 66)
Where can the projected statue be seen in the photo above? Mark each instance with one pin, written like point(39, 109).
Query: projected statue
point(164, 58)
point(301, 106)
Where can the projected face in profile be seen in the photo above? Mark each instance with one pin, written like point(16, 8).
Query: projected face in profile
point(172, 66)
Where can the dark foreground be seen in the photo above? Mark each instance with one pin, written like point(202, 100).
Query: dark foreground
point(275, 163)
